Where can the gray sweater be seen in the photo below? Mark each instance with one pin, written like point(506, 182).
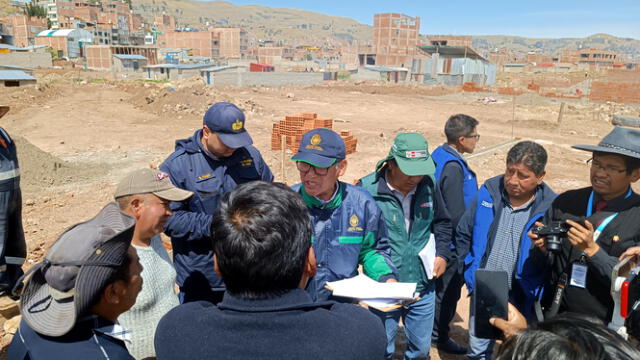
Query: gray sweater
point(156, 298)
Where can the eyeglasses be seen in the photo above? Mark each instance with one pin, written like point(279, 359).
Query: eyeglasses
point(303, 167)
point(476, 136)
point(610, 170)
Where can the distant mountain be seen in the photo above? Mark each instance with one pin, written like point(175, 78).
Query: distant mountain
point(264, 23)
point(555, 46)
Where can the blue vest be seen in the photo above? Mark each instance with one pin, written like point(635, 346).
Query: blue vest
point(470, 184)
point(529, 277)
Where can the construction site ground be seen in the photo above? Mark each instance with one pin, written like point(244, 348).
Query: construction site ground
point(78, 133)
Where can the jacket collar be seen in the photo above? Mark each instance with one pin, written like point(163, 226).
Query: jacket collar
point(620, 203)
point(313, 202)
point(290, 300)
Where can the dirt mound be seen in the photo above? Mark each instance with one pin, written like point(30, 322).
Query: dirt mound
point(39, 169)
point(189, 96)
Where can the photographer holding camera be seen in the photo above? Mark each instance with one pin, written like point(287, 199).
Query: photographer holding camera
point(588, 229)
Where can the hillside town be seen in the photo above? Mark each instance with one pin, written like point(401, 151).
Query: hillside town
point(109, 36)
point(109, 103)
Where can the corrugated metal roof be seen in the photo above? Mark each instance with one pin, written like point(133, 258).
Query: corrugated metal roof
point(60, 32)
point(384, 68)
point(129, 57)
point(179, 66)
point(15, 75)
point(220, 68)
point(453, 51)
point(14, 67)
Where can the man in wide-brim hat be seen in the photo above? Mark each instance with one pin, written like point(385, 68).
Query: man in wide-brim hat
point(603, 220)
point(13, 248)
point(72, 299)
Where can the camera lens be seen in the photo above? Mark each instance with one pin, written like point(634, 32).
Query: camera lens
point(554, 244)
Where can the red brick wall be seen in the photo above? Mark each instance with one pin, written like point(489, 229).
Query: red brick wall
point(625, 92)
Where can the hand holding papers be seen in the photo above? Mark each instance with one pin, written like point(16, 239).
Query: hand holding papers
point(428, 256)
point(382, 296)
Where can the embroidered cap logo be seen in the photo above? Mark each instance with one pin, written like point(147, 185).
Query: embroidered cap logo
point(237, 125)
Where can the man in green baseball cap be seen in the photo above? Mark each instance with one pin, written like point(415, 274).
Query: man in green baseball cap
point(404, 188)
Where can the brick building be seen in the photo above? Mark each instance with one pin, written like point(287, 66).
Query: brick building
point(215, 42)
point(21, 30)
point(101, 57)
point(590, 56)
point(450, 40)
point(395, 37)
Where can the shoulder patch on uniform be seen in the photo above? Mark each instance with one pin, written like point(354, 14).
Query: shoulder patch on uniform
point(246, 162)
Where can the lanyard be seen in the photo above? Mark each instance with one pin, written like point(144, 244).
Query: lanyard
point(605, 222)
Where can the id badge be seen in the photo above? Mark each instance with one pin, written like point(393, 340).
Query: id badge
point(579, 275)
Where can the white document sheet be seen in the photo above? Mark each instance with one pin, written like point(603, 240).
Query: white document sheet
point(363, 287)
point(428, 256)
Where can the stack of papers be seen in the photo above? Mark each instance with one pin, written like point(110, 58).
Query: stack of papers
point(382, 296)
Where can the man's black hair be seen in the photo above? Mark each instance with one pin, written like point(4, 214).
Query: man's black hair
point(539, 345)
point(261, 236)
point(630, 163)
point(459, 125)
point(529, 154)
point(568, 336)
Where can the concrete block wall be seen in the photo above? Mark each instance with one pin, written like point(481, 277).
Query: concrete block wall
point(624, 92)
point(27, 59)
point(267, 78)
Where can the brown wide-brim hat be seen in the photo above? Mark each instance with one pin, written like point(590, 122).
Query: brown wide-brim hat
point(75, 271)
point(4, 110)
point(620, 141)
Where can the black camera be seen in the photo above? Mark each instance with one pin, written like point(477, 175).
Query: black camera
point(554, 233)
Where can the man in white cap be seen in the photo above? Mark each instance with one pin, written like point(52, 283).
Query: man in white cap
point(145, 195)
point(73, 298)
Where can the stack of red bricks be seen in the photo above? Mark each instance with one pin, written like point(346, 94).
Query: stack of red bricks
point(293, 127)
point(470, 86)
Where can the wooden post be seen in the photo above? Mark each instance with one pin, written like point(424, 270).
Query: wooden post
point(561, 113)
point(283, 154)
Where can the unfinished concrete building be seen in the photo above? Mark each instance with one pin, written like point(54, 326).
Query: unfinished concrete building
point(450, 40)
point(591, 57)
point(395, 37)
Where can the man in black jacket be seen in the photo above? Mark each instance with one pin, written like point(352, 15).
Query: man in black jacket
point(602, 222)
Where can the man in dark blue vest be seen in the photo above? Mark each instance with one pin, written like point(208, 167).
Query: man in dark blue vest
point(492, 233)
point(458, 185)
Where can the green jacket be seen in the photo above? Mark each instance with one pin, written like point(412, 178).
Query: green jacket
point(406, 246)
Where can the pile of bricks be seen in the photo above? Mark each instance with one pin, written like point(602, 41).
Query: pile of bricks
point(293, 127)
point(510, 91)
point(623, 92)
point(533, 87)
point(471, 87)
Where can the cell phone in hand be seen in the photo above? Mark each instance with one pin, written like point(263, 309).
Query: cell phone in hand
point(490, 298)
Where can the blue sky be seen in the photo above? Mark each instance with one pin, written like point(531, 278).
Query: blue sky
point(540, 18)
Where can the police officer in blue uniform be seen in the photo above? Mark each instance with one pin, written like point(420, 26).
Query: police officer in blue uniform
point(13, 248)
point(211, 163)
